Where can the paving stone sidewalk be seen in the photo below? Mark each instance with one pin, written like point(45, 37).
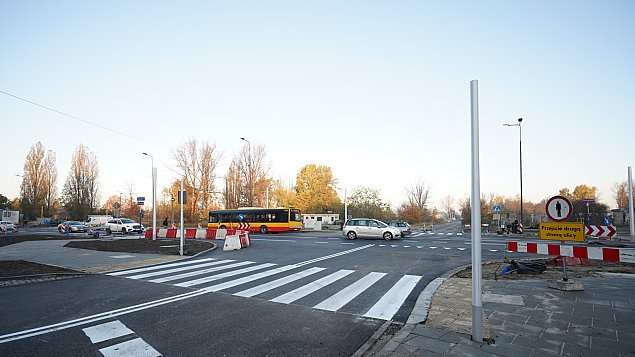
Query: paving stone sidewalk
point(526, 318)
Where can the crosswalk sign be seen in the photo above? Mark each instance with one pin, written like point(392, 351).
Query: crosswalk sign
point(496, 209)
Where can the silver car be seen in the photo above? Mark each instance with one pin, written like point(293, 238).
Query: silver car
point(369, 228)
point(7, 226)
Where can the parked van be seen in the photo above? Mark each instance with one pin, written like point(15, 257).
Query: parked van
point(97, 220)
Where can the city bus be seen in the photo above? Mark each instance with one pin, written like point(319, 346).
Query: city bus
point(261, 220)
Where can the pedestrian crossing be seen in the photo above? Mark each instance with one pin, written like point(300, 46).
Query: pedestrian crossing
point(376, 295)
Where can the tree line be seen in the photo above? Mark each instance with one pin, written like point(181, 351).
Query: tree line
point(248, 183)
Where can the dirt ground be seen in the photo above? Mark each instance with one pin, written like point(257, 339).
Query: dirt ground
point(149, 246)
point(492, 270)
point(12, 239)
point(15, 268)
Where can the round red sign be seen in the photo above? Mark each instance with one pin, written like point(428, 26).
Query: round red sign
point(559, 208)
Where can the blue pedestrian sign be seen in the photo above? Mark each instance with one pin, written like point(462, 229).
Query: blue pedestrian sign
point(606, 220)
point(496, 209)
point(241, 217)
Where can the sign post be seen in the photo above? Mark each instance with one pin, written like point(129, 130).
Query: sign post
point(559, 209)
point(140, 203)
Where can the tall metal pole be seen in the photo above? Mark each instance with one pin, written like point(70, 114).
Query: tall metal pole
point(630, 202)
point(345, 206)
point(267, 196)
point(154, 201)
point(522, 222)
point(477, 304)
point(181, 229)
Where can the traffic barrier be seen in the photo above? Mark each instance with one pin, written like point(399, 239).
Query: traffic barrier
point(600, 231)
point(625, 255)
point(201, 234)
point(245, 241)
point(190, 233)
point(171, 233)
point(163, 233)
point(232, 242)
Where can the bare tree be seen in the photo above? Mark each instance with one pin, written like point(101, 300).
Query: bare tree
point(417, 194)
point(254, 174)
point(81, 190)
point(32, 188)
point(448, 205)
point(233, 193)
point(49, 181)
point(620, 194)
point(198, 162)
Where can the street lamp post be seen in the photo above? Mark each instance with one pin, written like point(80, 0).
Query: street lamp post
point(154, 201)
point(520, 141)
point(251, 183)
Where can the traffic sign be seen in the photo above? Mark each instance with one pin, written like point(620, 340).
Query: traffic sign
point(496, 209)
point(140, 200)
point(588, 200)
point(569, 231)
point(559, 208)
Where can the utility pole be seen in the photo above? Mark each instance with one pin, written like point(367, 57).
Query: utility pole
point(181, 201)
point(345, 206)
point(630, 202)
point(477, 303)
point(249, 170)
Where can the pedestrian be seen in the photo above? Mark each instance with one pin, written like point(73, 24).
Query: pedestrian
point(165, 222)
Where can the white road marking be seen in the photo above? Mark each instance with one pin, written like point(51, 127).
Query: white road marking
point(121, 256)
point(390, 303)
point(311, 287)
point(207, 279)
point(335, 238)
point(136, 348)
point(440, 234)
point(175, 270)
point(406, 246)
point(433, 247)
point(277, 283)
point(322, 242)
point(97, 317)
point(382, 245)
point(460, 248)
point(274, 240)
point(107, 331)
point(459, 234)
point(133, 271)
point(348, 243)
point(393, 245)
point(449, 234)
point(236, 282)
point(419, 246)
point(333, 255)
point(347, 294)
point(200, 272)
point(493, 250)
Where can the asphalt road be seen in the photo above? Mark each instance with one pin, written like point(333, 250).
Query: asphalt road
point(312, 294)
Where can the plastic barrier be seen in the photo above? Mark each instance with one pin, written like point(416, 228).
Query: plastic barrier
point(171, 233)
point(163, 232)
point(626, 255)
point(201, 234)
point(232, 242)
point(190, 233)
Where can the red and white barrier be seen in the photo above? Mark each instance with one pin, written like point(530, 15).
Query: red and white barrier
point(625, 255)
point(237, 241)
point(600, 231)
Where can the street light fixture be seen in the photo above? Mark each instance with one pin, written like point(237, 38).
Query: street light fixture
point(251, 183)
point(520, 141)
point(154, 201)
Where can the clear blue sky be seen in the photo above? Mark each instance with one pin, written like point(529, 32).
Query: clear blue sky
point(379, 91)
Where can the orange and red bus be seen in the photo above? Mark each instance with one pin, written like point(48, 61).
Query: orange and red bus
point(261, 220)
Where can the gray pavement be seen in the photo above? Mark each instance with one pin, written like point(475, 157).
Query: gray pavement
point(526, 318)
point(54, 253)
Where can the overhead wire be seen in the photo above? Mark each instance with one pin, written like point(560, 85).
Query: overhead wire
point(82, 120)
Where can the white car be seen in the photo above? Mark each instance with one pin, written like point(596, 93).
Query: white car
point(369, 228)
point(123, 225)
point(6, 226)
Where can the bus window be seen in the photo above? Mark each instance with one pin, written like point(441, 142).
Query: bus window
point(213, 218)
point(295, 215)
point(226, 217)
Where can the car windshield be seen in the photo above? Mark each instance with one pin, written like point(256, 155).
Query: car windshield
point(127, 221)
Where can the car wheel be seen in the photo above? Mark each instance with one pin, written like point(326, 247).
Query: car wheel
point(351, 235)
point(123, 230)
point(264, 229)
point(108, 231)
point(387, 236)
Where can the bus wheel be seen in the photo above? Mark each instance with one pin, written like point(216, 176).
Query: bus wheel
point(264, 229)
point(222, 227)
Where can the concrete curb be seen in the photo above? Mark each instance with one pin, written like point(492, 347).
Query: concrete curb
point(372, 340)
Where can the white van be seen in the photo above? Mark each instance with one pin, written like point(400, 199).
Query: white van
point(97, 220)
